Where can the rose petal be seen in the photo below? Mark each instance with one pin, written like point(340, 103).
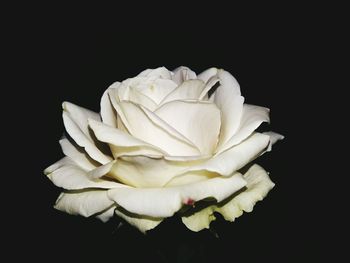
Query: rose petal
point(153, 87)
point(235, 158)
point(145, 72)
point(143, 171)
point(107, 214)
point(274, 137)
point(85, 203)
point(142, 223)
point(83, 140)
point(191, 177)
point(146, 126)
point(77, 155)
point(258, 185)
point(80, 116)
point(161, 72)
point(182, 74)
point(208, 86)
point(139, 98)
point(122, 143)
point(229, 101)
point(207, 74)
point(164, 202)
point(101, 170)
point(108, 114)
point(121, 119)
point(68, 175)
point(188, 90)
point(197, 121)
point(251, 119)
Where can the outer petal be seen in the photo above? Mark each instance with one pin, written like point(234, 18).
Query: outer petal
point(229, 100)
point(191, 177)
point(80, 116)
point(107, 214)
point(85, 203)
point(83, 140)
point(108, 114)
point(77, 155)
point(235, 158)
point(101, 171)
point(182, 74)
point(68, 175)
point(208, 86)
point(122, 143)
point(121, 118)
point(197, 121)
point(188, 90)
point(258, 185)
point(142, 223)
point(274, 137)
point(146, 126)
point(164, 202)
point(207, 74)
point(252, 117)
point(143, 171)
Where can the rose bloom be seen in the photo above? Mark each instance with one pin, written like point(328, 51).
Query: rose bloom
point(163, 141)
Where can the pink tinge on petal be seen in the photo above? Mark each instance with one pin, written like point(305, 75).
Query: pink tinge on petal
point(189, 201)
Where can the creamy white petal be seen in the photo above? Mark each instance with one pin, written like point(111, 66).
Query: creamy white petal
point(158, 89)
point(139, 98)
point(207, 74)
point(208, 86)
point(228, 84)
point(182, 74)
point(122, 123)
point(145, 72)
point(258, 185)
point(161, 72)
point(101, 170)
point(107, 214)
point(56, 165)
point(231, 113)
point(83, 140)
point(164, 202)
point(85, 203)
point(201, 157)
point(123, 143)
point(200, 220)
point(236, 157)
point(274, 137)
point(143, 171)
point(146, 126)
point(191, 177)
point(188, 90)
point(198, 121)
point(77, 155)
point(252, 118)
point(153, 87)
point(142, 223)
point(108, 114)
point(68, 175)
point(80, 116)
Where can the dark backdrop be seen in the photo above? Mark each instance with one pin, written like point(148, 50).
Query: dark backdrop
point(267, 57)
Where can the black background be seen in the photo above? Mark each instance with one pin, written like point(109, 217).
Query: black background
point(269, 55)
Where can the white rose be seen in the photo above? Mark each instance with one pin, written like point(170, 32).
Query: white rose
point(171, 144)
